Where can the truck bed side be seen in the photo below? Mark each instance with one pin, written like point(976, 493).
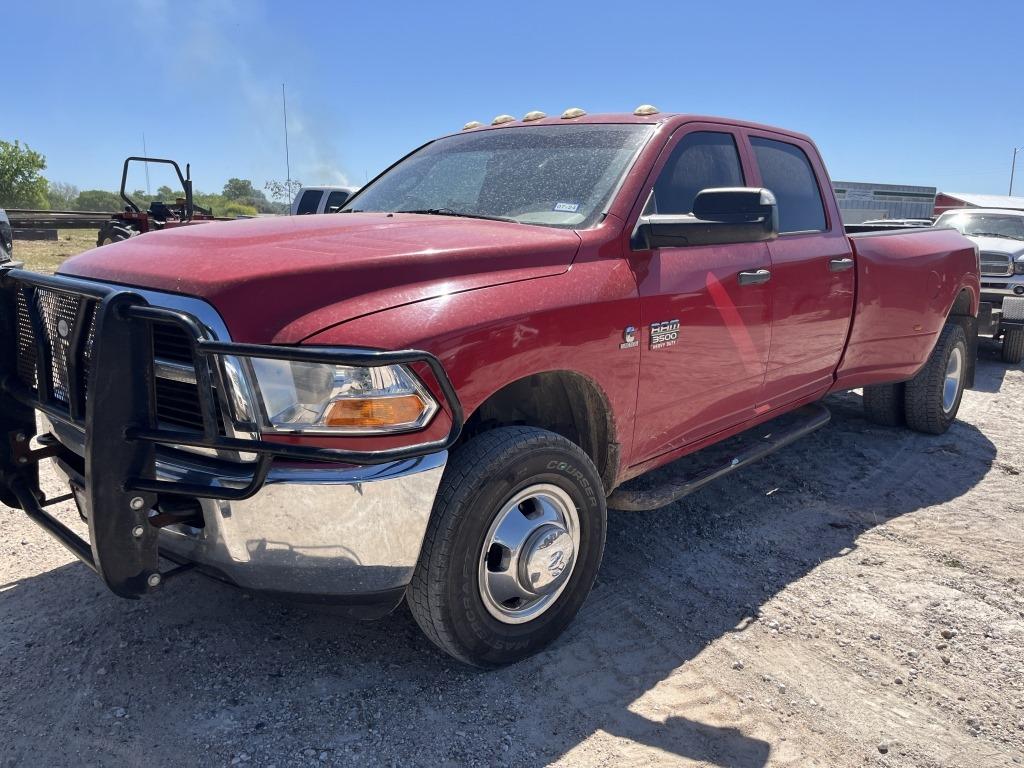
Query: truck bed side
point(907, 283)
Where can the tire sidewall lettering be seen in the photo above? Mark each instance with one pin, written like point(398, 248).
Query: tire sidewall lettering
point(575, 474)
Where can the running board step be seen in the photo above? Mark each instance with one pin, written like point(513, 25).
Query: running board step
point(672, 482)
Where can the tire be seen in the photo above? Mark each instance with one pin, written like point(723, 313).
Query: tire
point(929, 406)
point(452, 596)
point(883, 404)
point(114, 232)
point(1013, 345)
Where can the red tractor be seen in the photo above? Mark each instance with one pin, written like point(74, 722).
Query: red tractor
point(135, 221)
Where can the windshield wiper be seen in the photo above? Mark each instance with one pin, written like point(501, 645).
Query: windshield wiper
point(452, 212)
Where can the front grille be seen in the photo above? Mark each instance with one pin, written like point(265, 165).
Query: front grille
point(59, 315)
point(177, 399)
point(26, 345)
point(996, 264)
point(177, 403)
point(170, 343)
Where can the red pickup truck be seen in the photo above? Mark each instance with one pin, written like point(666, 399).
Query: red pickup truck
point(436, 394)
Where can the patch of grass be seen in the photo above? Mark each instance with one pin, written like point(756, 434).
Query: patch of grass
point(47, 255)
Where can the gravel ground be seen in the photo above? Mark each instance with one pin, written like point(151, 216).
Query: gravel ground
point(856, 599)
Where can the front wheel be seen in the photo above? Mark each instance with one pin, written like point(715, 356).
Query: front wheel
point(932, 398)
point(513, 546)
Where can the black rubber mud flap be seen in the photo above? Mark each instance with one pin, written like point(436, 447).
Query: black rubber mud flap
point(120, 386)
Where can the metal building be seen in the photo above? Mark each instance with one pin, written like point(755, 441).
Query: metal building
point(944, 201)
point(860, 201)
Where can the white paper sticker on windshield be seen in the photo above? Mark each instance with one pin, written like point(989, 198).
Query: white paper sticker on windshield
point(567, 207)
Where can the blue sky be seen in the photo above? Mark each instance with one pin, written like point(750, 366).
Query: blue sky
point(902, 92)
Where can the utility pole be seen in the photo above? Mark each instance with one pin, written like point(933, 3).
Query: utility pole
point(146, 154)
point(1013, 164)
point(287, 157)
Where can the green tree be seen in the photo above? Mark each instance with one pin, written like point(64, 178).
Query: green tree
point(61, 195)
point(239, 189)
point(21, 181)
point(99, 200)
point(234, 208)
point(214, 203)
point(283, 191)
point(242, 191)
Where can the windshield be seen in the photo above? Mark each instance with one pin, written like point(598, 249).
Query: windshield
point(556, 176)
point(984, 224)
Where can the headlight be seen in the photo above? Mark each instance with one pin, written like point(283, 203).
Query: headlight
point(1018, 266)
point(339, 399)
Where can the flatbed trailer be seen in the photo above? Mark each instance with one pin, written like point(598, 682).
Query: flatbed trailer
point(25, 218)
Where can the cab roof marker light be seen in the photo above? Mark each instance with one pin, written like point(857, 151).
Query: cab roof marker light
point(501, 119)
point(472, 124)
point(572, 113)
point(534, 115)
point(645, 109)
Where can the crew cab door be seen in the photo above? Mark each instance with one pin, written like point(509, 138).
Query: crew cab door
point(706, 374)
point(813, 271)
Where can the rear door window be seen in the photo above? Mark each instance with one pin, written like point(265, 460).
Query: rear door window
point(309, 201)
point(787, 172)
point(336, 199)
point(701, 160)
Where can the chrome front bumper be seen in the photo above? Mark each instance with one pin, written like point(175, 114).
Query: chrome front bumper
point(327, 532)
point(320, 532)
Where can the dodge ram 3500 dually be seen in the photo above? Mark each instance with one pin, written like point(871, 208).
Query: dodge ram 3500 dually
point(436, 394)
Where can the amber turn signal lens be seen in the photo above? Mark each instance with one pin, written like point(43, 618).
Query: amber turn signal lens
point(375, 412)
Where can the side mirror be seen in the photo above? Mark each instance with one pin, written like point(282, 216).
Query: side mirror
point(725, 215)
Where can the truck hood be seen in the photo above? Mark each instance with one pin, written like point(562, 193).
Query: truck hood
point(282, 279)
point(998, 245)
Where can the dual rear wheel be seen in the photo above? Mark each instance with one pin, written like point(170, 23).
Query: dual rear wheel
point(928, 402)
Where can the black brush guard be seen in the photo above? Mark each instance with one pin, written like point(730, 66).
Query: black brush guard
point(119, 421)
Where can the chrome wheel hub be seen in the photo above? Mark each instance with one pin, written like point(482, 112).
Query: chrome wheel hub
point(545, 562)
point(529, 553)
point(951, 384)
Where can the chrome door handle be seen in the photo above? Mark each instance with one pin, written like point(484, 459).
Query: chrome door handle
point(839, 265)
point(755, 277)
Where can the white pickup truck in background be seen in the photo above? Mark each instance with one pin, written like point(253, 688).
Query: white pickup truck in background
point(321, 200)
point(999, 235)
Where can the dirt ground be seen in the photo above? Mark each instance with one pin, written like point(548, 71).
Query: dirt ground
point(856, 599)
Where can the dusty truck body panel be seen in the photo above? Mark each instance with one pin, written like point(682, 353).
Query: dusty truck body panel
point(292, 266)
point(907, 284)
point(674, 281)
